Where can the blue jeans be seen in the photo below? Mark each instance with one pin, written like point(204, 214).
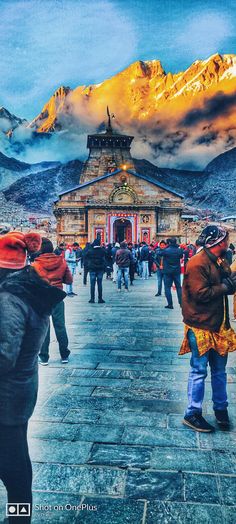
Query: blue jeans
point(96, 276)
point(173, 278)
point(160, 277)
point(72, 268)
point(123, 272)
point(145, 270)
point(198, 373)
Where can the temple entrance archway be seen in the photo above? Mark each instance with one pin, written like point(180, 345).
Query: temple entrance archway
point(122, 230)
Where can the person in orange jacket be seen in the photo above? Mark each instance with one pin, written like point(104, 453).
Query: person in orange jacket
point(54, 269)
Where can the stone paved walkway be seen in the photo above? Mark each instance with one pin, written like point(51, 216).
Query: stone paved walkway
point(107, 429)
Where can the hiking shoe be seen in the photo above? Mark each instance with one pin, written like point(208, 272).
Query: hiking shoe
point(42, 361)
point(222, 417)
point(169, 307)
point(198, 423)
point(101, 301)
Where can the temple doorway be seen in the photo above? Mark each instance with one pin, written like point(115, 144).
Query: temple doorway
point(122, 230)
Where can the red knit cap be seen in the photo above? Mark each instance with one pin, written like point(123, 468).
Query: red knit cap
point(13, 248)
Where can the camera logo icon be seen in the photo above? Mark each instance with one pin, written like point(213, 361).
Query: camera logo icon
point(18, 510)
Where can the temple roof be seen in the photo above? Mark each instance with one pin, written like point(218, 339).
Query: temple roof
point(131, 172)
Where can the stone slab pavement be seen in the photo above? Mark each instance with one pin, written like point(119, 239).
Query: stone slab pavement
point(107, 433)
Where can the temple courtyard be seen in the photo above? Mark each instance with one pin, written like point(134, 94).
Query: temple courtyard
point(106, 433)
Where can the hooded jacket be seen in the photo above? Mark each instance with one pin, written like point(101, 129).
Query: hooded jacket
point(54, 269)
point(26, 302)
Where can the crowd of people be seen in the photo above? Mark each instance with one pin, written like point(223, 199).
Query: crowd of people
point(123, 262)
point(32, 275)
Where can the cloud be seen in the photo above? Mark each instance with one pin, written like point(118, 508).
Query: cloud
point(219, 105)
point(204, 31)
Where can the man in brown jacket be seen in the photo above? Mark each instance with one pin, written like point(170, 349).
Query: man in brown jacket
point(208, 335)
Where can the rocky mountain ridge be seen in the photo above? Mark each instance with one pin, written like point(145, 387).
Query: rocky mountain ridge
point(11, 170)
point(213, 188)
point(143, 88)
point(181, 120)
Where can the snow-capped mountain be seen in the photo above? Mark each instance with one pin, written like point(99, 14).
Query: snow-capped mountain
point(181, 120)
point(9, 122)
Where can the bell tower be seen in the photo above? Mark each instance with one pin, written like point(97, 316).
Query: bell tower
point(107, 152)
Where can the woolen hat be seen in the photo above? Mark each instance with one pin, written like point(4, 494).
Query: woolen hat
point(14, 247)
point(211, 236)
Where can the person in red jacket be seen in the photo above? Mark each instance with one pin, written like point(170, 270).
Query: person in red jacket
point(54, 269)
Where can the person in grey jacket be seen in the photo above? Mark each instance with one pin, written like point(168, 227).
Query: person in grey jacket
point(123, 260)
point(26, 302)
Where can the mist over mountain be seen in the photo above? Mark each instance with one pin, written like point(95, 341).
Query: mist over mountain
point(12, 170)
point(37, 191)
point(181, 120)
point(213, 188)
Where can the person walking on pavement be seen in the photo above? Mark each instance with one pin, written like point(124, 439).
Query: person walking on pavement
point(208, 334)
point(123, 260)
point(96, 257)
point(26, 302)
point(70, 258)
point(159, 263)
point(115, 267)
point(172, 255)
point(85, 262)
point(144, 258)
point(108, 251)
point(54, 269)
point(151, 259)
point(78, 256)
point(132, 263)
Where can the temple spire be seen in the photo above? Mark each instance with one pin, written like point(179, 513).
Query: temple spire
point(109, 126)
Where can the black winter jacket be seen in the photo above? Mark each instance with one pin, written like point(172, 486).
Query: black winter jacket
point(96, 259)
point(26, 302)
point(144, 254)
point(171, 259)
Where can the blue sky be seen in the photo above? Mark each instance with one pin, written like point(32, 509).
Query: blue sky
point(47, 43)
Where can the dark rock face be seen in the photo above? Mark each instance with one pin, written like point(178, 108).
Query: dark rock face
point(214, 188)
point(185, 182)
point(219, 188)
point(11, 170)
point(12, 164)
point(38, 191)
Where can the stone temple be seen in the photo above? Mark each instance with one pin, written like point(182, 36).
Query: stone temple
point(113, 200)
